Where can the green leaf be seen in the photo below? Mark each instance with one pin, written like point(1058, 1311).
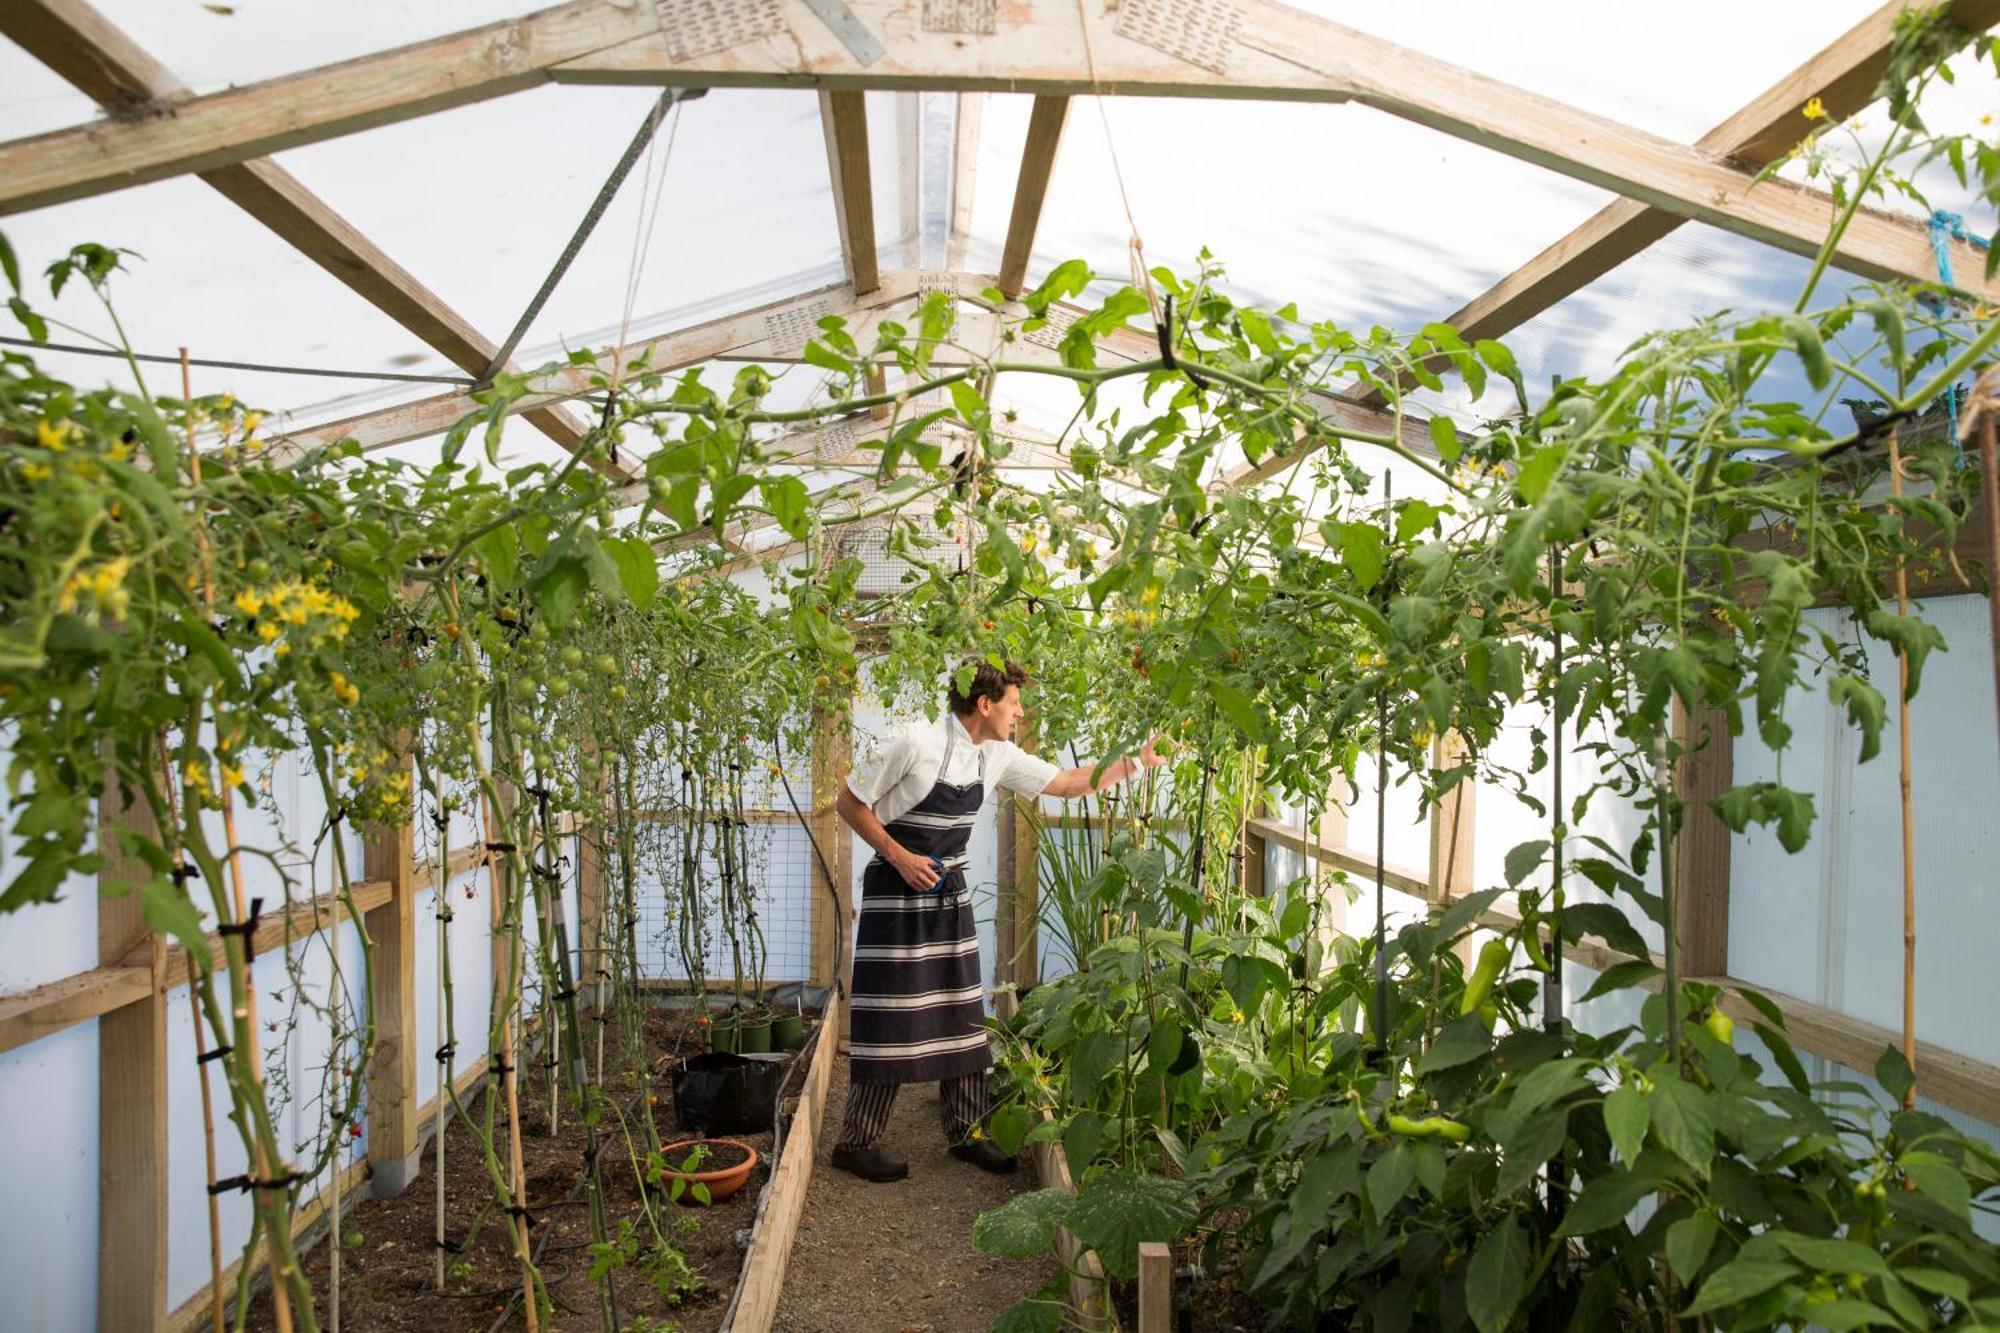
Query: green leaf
point(1688, 1243)
point(168, 912)
point(9, 266)
point(1737, 1281)
point(1684, 1121)
point(1257, 328)
point(1444, 435)
point(1464, 911)
point(1538, 470)
point(1892, 1071)
point(819, 354)
point(1606, 1201)
point(1361, 552)
point(1522, 859)
point(1081, 1139)
point(1620, 976)
point(1626, 1116)
point(1009, 1124)
point(786, 498)
point(1037, 1314)
point(1117, 1210)
point(1239, 708)
point(1811, 349)
point(638, 568)
point(37, 327)
point(1464, 1039)
point(1497, 1276)
point(1941, 1181)
point(1164, 1042)
point(560, 591)
point(1914, 638)
point(1023, 1227)
point(1390, 1179)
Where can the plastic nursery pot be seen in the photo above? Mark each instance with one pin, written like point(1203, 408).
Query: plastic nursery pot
point(753, 1034)
point(788, 1031)
point(723, 1034)
point(725, 1164)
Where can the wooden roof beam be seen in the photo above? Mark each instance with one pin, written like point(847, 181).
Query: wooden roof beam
point(1273, 52)
point(844, 114)
point(1843, 76)
point(1031, 188)
point(106, 65)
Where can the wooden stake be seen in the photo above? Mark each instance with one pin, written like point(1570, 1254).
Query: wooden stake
point(1156, 1287)
point(1909, 813)
point(1979, 412)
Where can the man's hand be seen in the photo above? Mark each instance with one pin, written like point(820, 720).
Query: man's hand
point(917, 871)
point(1149, 753)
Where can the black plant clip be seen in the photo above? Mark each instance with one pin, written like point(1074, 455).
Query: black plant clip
point(247, 928)
point(218, 1053)
point(1163, 328)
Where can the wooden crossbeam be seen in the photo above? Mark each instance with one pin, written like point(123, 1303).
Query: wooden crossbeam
point(105, 64)
point(1273, 52)
point(844, 115)
point(1031, 189)
point(1843, 76)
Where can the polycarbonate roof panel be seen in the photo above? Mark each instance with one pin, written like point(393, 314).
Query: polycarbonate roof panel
point(1676, 68)
point(1381, 221)
point(206, 276)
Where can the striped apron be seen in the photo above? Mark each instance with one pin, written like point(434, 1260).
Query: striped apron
point(918, 1010)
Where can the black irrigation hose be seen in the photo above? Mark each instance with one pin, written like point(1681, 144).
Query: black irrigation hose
point(826, 870)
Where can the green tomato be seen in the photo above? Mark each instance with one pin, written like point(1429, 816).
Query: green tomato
point(572, 656)
point(1720, 1026)
point(607, 665)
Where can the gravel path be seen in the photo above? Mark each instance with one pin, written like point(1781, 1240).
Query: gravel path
point(898, 1258)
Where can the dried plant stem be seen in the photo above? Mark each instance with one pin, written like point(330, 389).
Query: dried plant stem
point(1904, 781)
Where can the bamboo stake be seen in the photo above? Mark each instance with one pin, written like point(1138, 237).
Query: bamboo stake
point(216, 1319)
point(1979, 420)
point(442, 906)
point(1904, 782)
point(277, 1222)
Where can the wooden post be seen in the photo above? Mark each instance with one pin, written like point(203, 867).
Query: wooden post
point(1250, 866)
point(394, 1146)
point(1701, 851)
point(1451, 825)
point(132, 1082)
point(832, 901)
point(1156, 1287)
point(1026, 898)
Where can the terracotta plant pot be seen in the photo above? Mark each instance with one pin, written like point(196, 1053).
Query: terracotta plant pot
point(722, 1181)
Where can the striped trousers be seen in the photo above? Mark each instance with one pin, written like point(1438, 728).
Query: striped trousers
point(962, 1103)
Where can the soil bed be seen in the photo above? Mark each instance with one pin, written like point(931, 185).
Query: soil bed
point(898, 1258)
point(387, 1273)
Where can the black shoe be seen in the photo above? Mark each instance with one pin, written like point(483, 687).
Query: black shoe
point(983, 1154)
point(870, 1164)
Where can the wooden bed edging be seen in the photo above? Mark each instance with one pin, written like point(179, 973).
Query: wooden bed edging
point(1089, 1292)
point(777, 1224)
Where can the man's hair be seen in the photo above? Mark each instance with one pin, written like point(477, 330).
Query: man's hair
point(988, 682)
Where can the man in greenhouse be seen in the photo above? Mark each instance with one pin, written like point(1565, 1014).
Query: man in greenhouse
point(917, 996)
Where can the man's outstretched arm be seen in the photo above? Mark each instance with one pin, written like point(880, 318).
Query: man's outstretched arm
point(1087, 781)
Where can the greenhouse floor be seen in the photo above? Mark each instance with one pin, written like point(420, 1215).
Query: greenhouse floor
point(899, 1256)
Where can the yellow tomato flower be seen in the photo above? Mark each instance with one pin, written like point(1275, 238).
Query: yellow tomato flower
point(52, 435)
point(195, 777)
point(252, 420)
point(249, 603)
point(1815, 109)
point(232, 775)
point(36, 472)
point(267, 631)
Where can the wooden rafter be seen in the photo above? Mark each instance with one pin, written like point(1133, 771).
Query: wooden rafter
point(844, 114)
point(1275, 52)
point(770, 334)
point(1843, 76)
point(105, 64)
point(1038, 162)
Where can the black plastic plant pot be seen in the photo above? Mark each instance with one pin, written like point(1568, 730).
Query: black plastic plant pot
point(722, 1093)
point(788, 1032)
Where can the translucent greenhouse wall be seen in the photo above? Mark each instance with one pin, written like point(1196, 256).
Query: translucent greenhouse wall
point(50, 1087)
